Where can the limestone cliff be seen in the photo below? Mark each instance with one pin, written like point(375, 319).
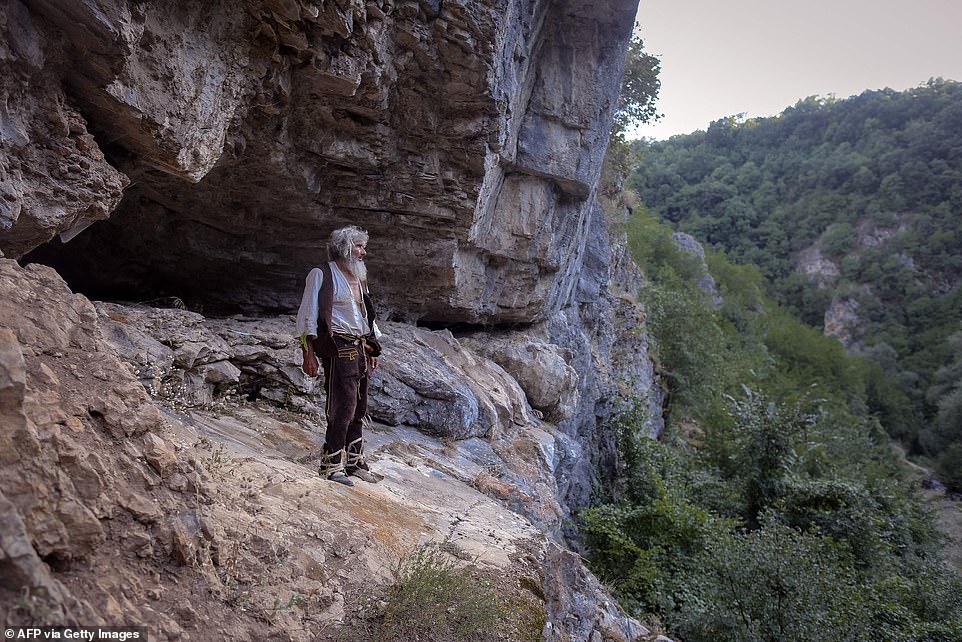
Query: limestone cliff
point(204, 151)
point(845, 316)
point(467, 137)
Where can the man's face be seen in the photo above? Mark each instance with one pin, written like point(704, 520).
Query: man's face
point(355, 263)
point(358, 251)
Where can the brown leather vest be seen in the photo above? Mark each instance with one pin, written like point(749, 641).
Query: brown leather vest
point(324, 344)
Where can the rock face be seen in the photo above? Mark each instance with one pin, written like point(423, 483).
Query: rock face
point(67, 402)
point(841, 319)
point(53, 175)
point(706, 282)
point(817, 267)
point(542, 369)
point(467, 137)
point(250, 130)
point(105, 498)
point(604, 332)
point(845, 316)
point(215, 145)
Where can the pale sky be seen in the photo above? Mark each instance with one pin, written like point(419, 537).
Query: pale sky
point(721, 58)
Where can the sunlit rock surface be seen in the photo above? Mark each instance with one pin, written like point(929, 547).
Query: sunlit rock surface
point(194, 510)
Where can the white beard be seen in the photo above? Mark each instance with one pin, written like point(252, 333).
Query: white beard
point(357, 268)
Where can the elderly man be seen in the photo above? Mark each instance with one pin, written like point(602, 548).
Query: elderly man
point(336, 325)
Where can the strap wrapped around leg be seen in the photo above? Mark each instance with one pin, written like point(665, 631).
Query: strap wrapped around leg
point(355, 455)
point(332, 467)
point(356, 465)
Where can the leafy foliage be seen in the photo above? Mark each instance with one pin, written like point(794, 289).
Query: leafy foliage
point(433, 598)
point(872, 183)
point(636, 105)
point(819, 534)
point(639, 89)
point(775, 584)
point(774, 507)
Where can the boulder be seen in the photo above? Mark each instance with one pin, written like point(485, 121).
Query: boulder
point(541, 369)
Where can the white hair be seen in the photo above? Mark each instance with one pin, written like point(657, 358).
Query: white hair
point(342, 240)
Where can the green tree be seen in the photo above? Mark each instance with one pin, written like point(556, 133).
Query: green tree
point(946, 395)
point(949, 467)
point(838, 240)
point(874, 180)
point(775, 584)
point(639, 89)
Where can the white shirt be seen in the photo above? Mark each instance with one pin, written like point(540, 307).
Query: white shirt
point(347, 314)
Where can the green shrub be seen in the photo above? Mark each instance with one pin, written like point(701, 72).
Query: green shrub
point(764, 515)
point(643, 545)
point(869, 180)
point(433, 598)
point(835, 540)
point(645, 553)
point(687, 342)
point(773, 585)
point(761, 448)
point(656, 252)
point(922, 603)
point(841, 509)
point(811, 358)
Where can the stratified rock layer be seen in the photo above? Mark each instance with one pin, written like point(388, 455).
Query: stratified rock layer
point(466, 136)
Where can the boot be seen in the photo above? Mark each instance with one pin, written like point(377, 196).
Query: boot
point(332, 467)
point(356, 465)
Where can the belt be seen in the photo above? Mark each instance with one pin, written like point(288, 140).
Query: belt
point(356, 339)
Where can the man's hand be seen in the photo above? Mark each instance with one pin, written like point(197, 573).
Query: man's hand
point(310, 361)
point(372, 360)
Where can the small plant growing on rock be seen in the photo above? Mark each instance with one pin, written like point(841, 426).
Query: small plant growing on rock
point(218, 462)
point(433, 598)
point(32, 607)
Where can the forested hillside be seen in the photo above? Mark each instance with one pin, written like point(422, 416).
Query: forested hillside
point(773, 507)
point(852, 209)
